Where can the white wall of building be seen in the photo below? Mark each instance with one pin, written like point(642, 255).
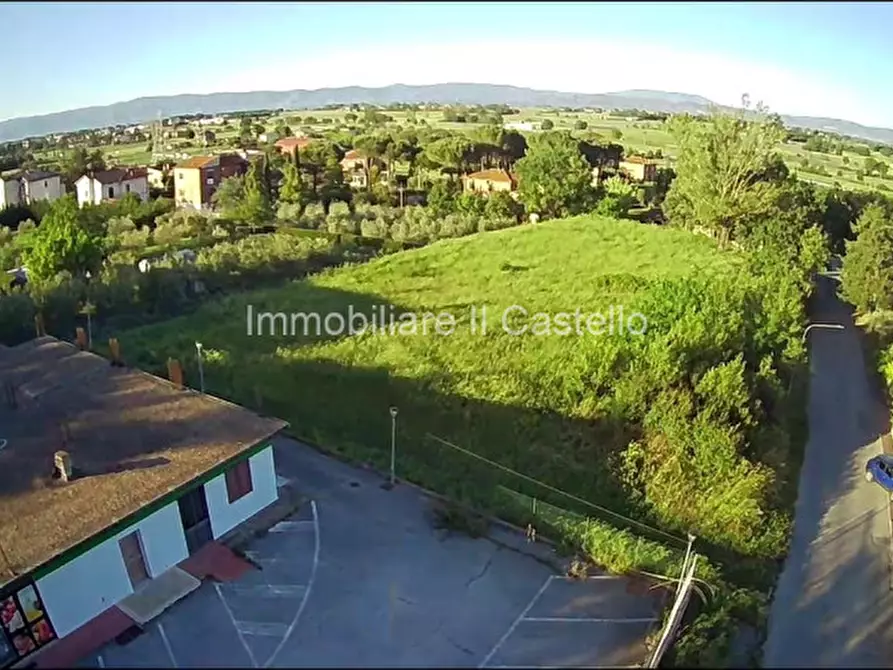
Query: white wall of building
point(50, 188)
point(225, 516)
point(9, 193)
point(96, 580)
point(85, 196)
point(139, 185)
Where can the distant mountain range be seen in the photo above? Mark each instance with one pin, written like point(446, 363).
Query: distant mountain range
point(146, 109)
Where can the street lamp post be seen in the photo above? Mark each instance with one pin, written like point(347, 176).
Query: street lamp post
point(393, 412)
point(201, 371)
point(826, 326)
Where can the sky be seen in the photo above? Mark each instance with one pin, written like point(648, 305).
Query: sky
point(817, 59)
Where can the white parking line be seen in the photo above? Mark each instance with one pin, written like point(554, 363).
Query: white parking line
point(517, 621)
point(266, 590)
point(236, 626)
point(167, 645)
point(316, 548)
point(261, 628)
point(562, 619)
point(291, 526)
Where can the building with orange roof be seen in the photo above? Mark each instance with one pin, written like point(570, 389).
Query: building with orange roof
point(198, 178)
point(488, 181)
point(639, 168)
point(292, 145)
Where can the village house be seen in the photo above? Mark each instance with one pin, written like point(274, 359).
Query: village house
point(292, 145)
point(638, 168)
point(354, 166)
point(97, 187)
point(117, 489)
point(488, 181)
point(197, 179)
point(25, 188)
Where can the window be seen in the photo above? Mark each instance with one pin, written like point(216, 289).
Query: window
point(111, 191)
point(45, 184)
point(24, 625)
point(238, 481)
point(127, 187)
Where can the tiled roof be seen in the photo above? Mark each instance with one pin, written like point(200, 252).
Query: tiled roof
point(197, 162)
point(132, 437)
point(492, 175)
point(116, 175)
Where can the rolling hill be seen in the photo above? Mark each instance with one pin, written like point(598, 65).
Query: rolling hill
point(144, 109)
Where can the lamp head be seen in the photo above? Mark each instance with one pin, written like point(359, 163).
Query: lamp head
point(393, 411)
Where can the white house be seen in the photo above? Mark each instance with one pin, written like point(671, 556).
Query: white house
point(112, 185)
point(128, 480)
point(30, 186)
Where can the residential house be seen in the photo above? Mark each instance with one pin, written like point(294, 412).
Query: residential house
point(198, 178)
point(111, 185)
point(638, 168)
point(488, 181)
point(24, 188)
point(121, 505)
point(292, 145)
point(354, 166)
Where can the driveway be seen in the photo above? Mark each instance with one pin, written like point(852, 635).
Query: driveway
point(360, 578)
point(833, 605)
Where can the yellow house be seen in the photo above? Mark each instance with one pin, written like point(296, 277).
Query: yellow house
point(639, 169)
point(197, 179)
point(487, 181)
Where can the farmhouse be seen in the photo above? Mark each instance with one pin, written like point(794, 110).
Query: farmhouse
point(24, 188)
point(638, 168)
point(487, 181)
point(198, 178)
point(113, 481)
point(292, 145)
point(112, 184)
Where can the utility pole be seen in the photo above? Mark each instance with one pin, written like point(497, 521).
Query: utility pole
point(393, 412)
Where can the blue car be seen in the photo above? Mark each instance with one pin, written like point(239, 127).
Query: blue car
point(880, 470)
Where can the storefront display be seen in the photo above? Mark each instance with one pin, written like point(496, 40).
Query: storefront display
point(24, 626)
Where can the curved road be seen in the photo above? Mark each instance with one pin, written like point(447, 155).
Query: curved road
point(833, 605)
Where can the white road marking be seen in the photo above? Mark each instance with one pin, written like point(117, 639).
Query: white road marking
point(100, 661)
point(517, 621)
point(167, 646)
point(261, 628)
point(291, 526)
point(562, 619)
point(236, 626)
point(291, 627)
point(266, 590)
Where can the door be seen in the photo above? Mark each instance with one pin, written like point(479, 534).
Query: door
point(134, 560)
point(196, 522)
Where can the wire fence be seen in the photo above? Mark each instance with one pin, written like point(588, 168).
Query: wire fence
point(523, 500)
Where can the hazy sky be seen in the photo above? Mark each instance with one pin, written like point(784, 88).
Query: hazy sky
point(821, 59)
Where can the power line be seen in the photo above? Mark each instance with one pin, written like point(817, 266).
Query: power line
point(604, 510)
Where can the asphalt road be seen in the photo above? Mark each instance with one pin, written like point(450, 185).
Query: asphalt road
point(833, 605)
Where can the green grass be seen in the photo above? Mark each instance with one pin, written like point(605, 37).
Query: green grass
point(522, 401)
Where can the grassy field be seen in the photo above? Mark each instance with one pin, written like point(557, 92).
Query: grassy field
point(534, 403)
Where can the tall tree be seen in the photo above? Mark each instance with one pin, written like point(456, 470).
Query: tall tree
point(867, 274)
point(62, 243)
point(256, 209)
point(292, 191)
point(555, 179)
point(722, 166)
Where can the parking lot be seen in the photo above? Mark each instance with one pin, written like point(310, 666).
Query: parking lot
point(361, 578)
